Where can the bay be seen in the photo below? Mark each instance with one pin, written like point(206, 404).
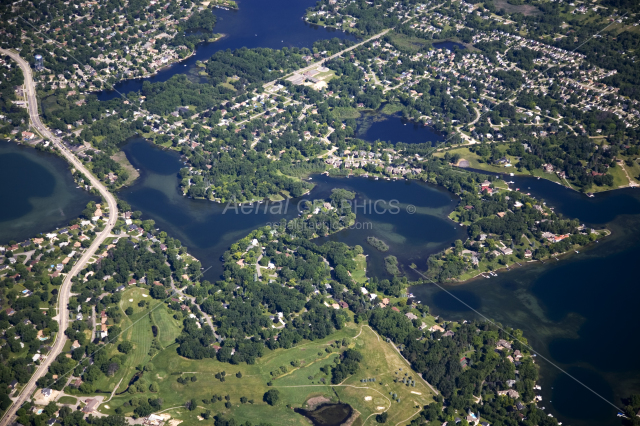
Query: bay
point(274, 24)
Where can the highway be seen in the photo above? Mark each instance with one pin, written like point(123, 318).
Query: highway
point(65, 290)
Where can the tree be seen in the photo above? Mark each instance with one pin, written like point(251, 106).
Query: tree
point(382, 417)
point(192, 405)
point(271, 397)
point(125, 347)
point(129, 311)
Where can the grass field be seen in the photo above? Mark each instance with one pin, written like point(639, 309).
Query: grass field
point(296, 373)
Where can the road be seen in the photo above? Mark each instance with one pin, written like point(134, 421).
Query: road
point(65, 290)
point(322, 61)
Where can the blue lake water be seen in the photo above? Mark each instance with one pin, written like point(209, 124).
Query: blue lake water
point(273, 24)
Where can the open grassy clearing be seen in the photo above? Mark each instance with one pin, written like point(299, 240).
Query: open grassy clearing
point(360, 274)
point(411, 43)
point(122, 159)
point(298, 374)
point(168, 327)
point(343, 113)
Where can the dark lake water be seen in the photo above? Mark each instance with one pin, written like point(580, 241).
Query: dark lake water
point(208, 229)
point(273, 24)
point(327, 414)
point(578, 312)
point(37, 194)
point(374, 125)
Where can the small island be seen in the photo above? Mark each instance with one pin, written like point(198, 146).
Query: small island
point(378, 244)
point(391, 263)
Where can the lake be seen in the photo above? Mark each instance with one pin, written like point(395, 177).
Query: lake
point(273, 24)
point(38, 193)
point(208, 228)
point(375, 125)
point(577, 312)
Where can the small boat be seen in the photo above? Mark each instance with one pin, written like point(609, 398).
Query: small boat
point(577, 251)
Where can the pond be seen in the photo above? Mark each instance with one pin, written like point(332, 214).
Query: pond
point(274, 24)
point(448, 45)
point(393, 128)
point(38, 193)
point(327, 414)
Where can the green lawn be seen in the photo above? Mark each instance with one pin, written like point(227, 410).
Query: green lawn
point(360, 274)
point(67, 400)
point(168, 327)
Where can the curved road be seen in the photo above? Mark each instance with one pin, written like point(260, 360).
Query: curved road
point(65, 290)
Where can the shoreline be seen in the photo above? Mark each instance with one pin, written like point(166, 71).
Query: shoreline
point(157, 70)
point(526, 263)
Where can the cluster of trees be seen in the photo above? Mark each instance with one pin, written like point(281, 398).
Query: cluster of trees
point(251, 66)
point(14, 116)
point(348, 366)
point(437, 358)
point(201, 20)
